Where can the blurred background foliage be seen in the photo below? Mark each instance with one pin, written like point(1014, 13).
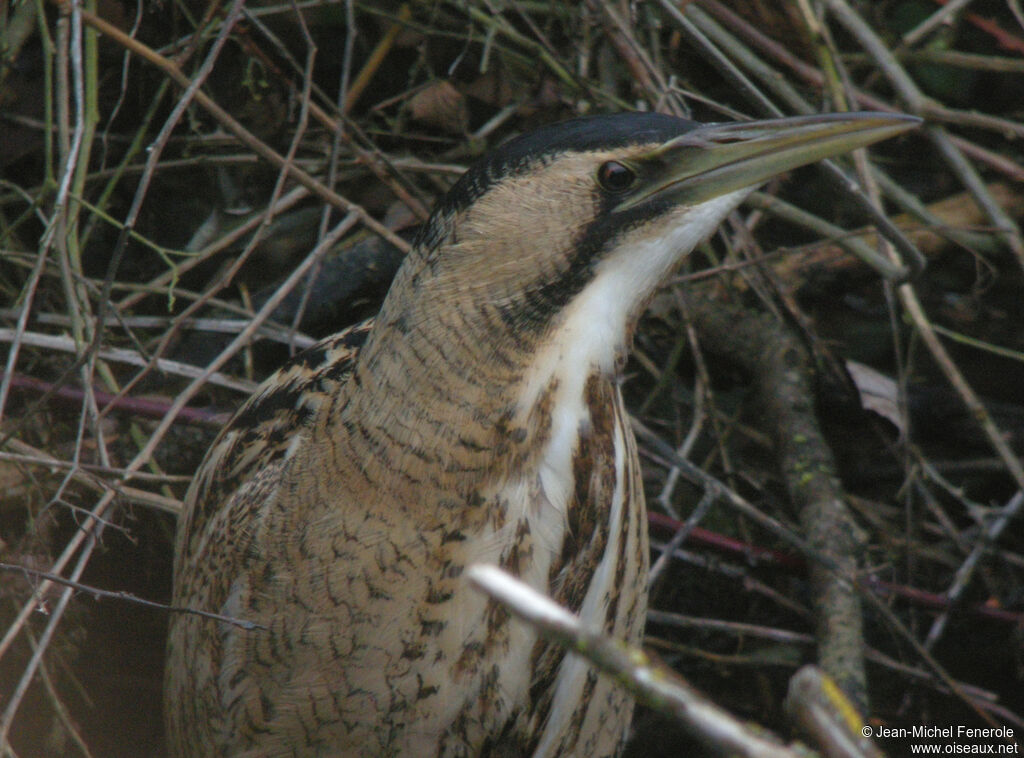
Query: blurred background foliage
point(169, 172)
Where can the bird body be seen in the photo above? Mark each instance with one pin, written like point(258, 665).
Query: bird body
point(478, 420)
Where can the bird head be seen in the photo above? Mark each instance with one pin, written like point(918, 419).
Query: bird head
point(589, 215)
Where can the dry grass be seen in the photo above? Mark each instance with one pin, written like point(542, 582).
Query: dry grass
point(190, 191)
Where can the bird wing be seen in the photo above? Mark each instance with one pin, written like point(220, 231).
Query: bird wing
point(260, 433)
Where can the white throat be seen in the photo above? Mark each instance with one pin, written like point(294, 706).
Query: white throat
point(592, 335)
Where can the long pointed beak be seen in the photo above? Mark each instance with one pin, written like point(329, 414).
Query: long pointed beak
point(717, 159)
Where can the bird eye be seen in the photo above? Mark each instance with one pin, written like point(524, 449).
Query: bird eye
point(615, 177)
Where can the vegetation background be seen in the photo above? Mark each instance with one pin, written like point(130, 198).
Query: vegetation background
point(192, 191)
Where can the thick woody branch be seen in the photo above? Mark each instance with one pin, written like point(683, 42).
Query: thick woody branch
point(781, 369)
point(651, 683)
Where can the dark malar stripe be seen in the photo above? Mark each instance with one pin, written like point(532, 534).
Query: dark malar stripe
point(533, 310)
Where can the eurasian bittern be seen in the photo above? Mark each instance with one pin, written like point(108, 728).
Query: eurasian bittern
point(478, 419)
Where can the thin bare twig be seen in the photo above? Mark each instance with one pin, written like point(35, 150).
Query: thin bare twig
point(99, 594)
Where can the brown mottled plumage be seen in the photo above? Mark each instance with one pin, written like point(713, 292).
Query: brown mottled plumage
point(477, 420)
